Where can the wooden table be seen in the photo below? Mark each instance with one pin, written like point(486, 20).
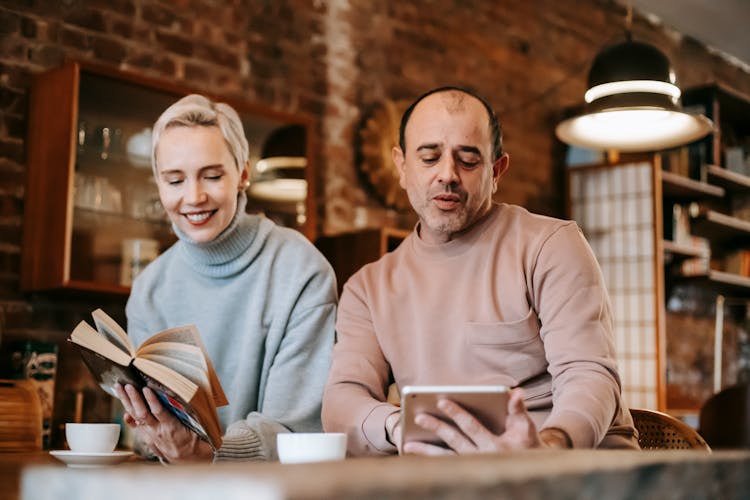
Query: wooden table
point(11, 465)
point(579, 474)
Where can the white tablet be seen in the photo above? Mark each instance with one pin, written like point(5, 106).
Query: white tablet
point(488, 404)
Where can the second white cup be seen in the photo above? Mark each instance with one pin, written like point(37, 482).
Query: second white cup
point(301, 447)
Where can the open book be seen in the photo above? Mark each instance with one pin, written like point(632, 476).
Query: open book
point(173, 363)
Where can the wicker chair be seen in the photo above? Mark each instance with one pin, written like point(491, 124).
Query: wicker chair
point(659, 431)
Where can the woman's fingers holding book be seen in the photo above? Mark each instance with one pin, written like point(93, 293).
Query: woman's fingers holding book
point(125, 400)
point(135, 406)
point(156, 409)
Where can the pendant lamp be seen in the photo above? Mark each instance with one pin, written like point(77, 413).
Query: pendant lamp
point(279, 176)
point(632, 103)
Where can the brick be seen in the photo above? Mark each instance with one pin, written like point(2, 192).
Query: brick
point(10, 206)
point(10, 259)
point(9, 101)
point(13, 48)
point(9, 23)
point(122, 29)
point(86, 18)
point(175, 43)
point(217, 56)
point(155, 15)
point(125, 8)
point(46, 55)
point(28, 27)
point(195, 73)
point(313, 105)
point(108, 49)
point(12, 149)
point(14, 126)
point(11, 235)
point(75, 38)
point(161, 63)
point(47, 31)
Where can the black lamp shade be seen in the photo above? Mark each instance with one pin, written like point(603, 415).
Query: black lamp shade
point(633, 104)
point(630, 61)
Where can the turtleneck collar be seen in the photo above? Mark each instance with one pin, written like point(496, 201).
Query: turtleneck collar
point(227, 253)
point(459, 244)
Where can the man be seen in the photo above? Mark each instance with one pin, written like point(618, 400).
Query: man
point(480, 293)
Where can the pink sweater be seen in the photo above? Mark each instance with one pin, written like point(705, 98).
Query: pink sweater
point(517, 300)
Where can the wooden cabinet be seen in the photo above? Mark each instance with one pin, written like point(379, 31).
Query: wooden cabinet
point(348, 252)
point(92, 211)
point(671, 232)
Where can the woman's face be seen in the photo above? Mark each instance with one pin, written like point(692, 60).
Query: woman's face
point(198, 180)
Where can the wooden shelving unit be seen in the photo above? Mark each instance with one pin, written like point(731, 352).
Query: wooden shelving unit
point(725, 283)
point(731, 181)
point(674, 252)
point(678, 187)
point(723, 230)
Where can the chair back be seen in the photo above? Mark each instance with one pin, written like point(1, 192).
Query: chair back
point(725, 418)
point(20, 416)
point(659, 431)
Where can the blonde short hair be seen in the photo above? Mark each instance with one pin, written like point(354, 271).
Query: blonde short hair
point(198, 111)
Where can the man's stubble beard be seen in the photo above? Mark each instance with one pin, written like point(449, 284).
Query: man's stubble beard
point(444, 222)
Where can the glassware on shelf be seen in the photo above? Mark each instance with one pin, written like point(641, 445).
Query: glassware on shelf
point(109, 141)
point(137, 253)
point(97, 193)
point(138, 148)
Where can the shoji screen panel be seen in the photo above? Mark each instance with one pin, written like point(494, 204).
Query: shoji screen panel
point(614, 206)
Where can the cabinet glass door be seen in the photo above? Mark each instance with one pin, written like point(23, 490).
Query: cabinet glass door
point(93, 219)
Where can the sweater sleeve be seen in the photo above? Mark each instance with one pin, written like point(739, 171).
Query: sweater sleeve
point(355, 397)
point(578, 334)
point(294, 386)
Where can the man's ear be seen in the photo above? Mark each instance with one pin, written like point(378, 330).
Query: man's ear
point(499, 168)
point(398, 160)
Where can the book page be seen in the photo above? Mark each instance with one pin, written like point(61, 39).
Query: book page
point(186, 353)
point(189, 335)
point(85, 335)
point(113, 332)
point(180, 384)
point(194, 374)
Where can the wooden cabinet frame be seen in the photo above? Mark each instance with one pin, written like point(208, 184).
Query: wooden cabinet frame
point(51, 160)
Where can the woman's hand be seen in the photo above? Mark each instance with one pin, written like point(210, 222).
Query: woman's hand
point(159, 430)
point(468, 435)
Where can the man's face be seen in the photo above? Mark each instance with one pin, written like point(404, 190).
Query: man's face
point(448, 169)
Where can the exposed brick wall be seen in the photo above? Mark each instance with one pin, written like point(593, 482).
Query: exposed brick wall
point(328, 60)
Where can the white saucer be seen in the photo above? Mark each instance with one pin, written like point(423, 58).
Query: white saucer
point(76, 459)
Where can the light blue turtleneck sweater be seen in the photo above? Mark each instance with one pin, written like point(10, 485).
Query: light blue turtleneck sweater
point(264, 301)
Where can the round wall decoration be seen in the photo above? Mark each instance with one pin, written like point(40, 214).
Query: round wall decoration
point(378, 136)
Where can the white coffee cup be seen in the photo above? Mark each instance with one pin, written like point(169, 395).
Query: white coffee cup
point(92, 438)
point(300, 447)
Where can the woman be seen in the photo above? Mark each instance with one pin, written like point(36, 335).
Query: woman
point(263, 298)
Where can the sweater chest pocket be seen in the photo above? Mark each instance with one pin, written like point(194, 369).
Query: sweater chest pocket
point(513, 348)
point(504, 333)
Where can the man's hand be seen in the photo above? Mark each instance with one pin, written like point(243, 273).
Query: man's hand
point(470, 436)
point(159, 430)
point(393, 429)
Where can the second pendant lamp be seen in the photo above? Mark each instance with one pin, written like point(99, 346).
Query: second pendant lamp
point(632, 104)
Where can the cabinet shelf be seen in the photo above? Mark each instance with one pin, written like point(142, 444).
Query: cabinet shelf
point(679, 187)
point(721, 282)
point(674, 252)
point(731, 181)
point(723, 230)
